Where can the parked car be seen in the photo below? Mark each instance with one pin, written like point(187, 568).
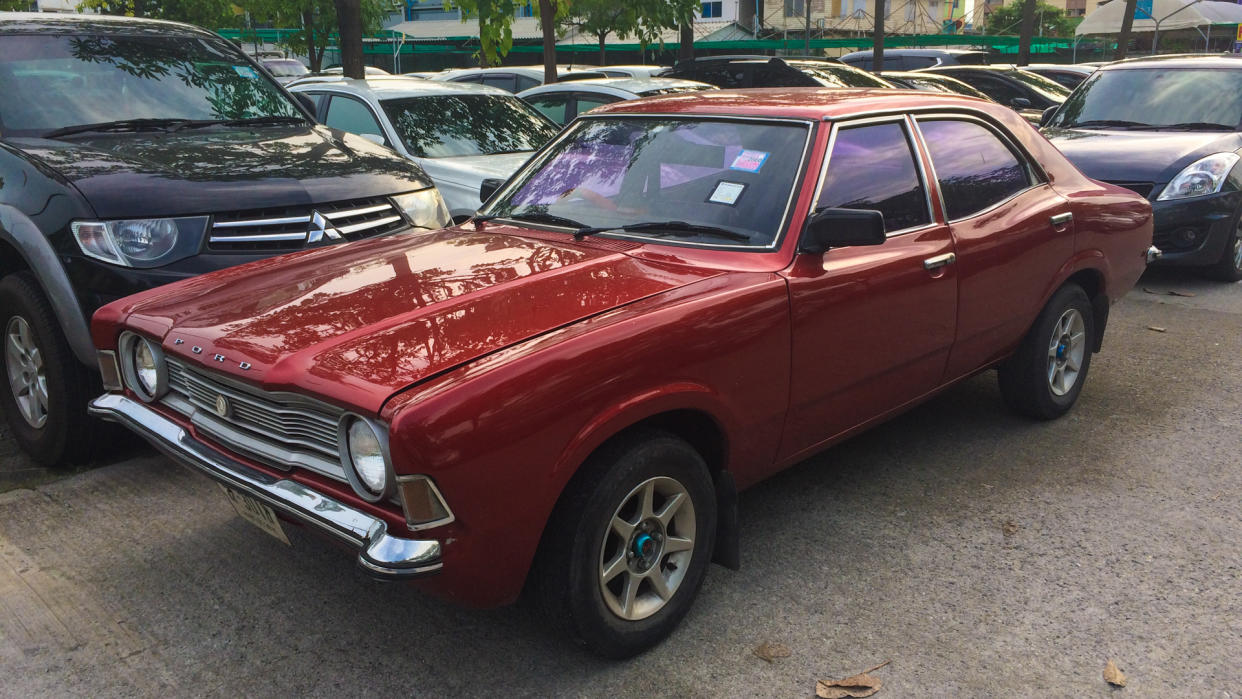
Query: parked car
point(673, 300)
point(515, 78)
point(914, 59)
point(731, 72)
point(459, 133)
point(1069, 76)
point(1026, 92)
point(931, 82)
point(368, 71)
point(636, 71)
point(1167, 128)
point(285, 70)
point(135, 153)
point(561, 102)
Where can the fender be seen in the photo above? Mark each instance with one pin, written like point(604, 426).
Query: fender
point(1087, 260)
point(20, 232)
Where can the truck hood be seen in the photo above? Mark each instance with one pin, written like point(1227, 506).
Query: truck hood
point(1138, 156)
point(128, 175)
point(356, 323)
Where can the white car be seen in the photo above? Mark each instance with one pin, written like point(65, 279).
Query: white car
point(563, 102)
point(514, 78)
point(630, 71)
point(461, 134)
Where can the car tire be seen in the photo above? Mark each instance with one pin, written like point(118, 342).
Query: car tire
point(586, 565)
point(1043, 378)
point(45, 387)
point(1229, 267)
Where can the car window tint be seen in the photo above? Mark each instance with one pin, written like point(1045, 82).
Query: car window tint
point(872, 167)
point(350, 115)
point(996, 88)
point(552, 106)
point(440, 126)
point(526, 83)
point(974, 167)
point(588, 102)
point(503, 81)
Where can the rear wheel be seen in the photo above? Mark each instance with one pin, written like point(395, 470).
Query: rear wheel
point(1229, 267)
point(629, 545)
point(46, 388)
point(1043, 379)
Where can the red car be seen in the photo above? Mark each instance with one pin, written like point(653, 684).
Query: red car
point(676, 298)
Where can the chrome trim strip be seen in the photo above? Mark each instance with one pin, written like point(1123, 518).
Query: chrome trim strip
point(379, 553)
point(366, 225)
point(357, 212)
point(254, 222)
point(258, 237)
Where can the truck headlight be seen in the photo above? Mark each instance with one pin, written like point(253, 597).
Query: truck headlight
point(1204, 176)
point(142, 365)
point(363, 446)
point(146, 242)
point(424, 208)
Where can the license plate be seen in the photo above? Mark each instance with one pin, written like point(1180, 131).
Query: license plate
point(256, 513)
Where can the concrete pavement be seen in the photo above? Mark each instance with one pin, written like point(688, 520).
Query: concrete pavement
point(984, 554)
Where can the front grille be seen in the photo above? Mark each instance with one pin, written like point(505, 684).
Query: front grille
point(281, 430)
point(292, 228)
point(1142, 189)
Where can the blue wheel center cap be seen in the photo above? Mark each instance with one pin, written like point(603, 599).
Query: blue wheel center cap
point(644, 545)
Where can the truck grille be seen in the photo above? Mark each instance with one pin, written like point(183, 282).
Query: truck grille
point(281, 430)
point(293, 228)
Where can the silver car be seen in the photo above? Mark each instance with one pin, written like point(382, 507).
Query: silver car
point(563, 102)
point(461, 134)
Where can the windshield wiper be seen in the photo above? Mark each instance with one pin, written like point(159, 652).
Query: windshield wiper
point(1121, 123)
point(550, 219)
point(675, 228)
point(251, 121)
point(119, 125)
point(1195, 126)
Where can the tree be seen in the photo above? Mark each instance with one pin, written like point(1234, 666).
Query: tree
point(877, 38)
point(15, 5)
point(547, 25)
point(643, 20)
point(205, 13)
point(349, 25)
point(1127, 23)
point(1050, 20)
point(495, 25)
point(1024, 36)
point(313, 22)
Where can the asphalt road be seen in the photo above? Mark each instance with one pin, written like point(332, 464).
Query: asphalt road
point(983, 554)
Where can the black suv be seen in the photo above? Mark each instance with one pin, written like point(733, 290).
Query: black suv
point(731, 72)
point(135, 153)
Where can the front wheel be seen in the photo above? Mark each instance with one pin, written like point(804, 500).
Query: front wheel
point(1043, 379)
point(629, 545)
point(1229, 267)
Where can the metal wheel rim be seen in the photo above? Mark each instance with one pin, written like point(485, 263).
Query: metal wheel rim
point(1066, 350)
point(23, 362)
point(635, 584)
point(1237, 249)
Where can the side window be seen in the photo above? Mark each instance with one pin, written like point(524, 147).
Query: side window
point(916, 62)
point(472, 78)
point(551, 105)
point(348, 114)
point(587, 102)
point(891, 186)
point(974, 167)
point(724, 75)
point(525, 83)
point(503, 81)
point(998, 90)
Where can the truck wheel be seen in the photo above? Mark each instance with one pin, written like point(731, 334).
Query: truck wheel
point(47, 387)
point(1043, 379)
point(629, 545)
point(1229, 267)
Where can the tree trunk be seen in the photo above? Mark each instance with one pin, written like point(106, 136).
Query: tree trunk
point(601, 48)
point(315, 59)
point(686, 51)
point(140, 8)
point(1027, 31)
point(877, 38)
point(1127, 23)
point(547, 23)
point(349, 23)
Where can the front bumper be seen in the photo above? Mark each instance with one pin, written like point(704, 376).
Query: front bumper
point(379, 554)
point(1194, 232)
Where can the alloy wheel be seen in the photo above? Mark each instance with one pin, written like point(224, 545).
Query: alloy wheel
point(27, 379)
point(647, 549)
point(1066, 350)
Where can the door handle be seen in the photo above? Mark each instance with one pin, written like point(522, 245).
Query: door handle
point(1061, 219)
point(939, 261)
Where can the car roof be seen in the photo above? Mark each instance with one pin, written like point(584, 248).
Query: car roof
point(1227, 61)
point(916, 52)
point(634, 86)
point(67, 23)
point(811, 103)
point(1069, 68)
point(532, 71)
point(393, 86)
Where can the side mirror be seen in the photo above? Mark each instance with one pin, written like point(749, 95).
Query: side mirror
point(1046, 117)
point(1020, 103)
point(307, 103)
point(838, 228)
point(489, 187)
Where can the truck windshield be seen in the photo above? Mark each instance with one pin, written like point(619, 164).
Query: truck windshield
point(54, 82)
point(1133, 98)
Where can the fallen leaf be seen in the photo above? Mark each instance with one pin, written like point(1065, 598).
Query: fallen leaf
point(1151, 291)
point(769, 651)
point(1009, 528)
point(1157, 328)
point(1113, 675)
point(1184, 294)
point(852, 687)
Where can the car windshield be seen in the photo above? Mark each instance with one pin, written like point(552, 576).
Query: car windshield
point(1051, 89)
point(840, 76)
point(1137, 97)
point(445, 126)
point(285, 69)
point(720, 182)
point(55, 82)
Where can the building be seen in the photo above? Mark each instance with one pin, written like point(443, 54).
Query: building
point(833, 17)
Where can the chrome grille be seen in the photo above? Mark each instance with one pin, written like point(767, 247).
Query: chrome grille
point(281, 430)
point(294, 227)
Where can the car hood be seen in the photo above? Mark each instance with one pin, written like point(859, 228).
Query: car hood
point(471, 170)
point(1138, 156)
point(207, 171)
point(358, 322)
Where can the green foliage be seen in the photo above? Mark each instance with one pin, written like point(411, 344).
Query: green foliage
point(495, 19)
point(1007, 19)
point(15, 5)
point(640, 19)
point(313, 22)
point(212, 14)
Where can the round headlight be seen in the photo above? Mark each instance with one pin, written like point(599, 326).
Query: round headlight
point(145, 239)
point(143, 366)
point(146, 369)
point(366, 457)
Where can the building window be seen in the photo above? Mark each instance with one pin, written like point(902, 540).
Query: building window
point(795, 8)
point(712, 10)
point(526, 10)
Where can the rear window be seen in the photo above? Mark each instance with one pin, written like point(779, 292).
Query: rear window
point(444, 126)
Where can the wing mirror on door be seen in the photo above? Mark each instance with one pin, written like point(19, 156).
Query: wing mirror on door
point(1020, 103)
point(489, 187)
point(1046, 117)
point(838, 228)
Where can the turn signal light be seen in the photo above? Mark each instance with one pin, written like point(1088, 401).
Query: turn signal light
point(424, 506)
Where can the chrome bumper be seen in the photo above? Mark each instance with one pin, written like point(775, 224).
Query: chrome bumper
point(379, 553)
point(1153, 253)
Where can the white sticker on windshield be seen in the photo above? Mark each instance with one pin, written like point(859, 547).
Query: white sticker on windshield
point(246, 72)
point(749, 161)
point(727, 192)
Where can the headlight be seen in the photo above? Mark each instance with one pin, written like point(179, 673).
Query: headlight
point(140, 242)
point(142, 365)
point(424, 208)
point(1204, 176)
point(364, 454)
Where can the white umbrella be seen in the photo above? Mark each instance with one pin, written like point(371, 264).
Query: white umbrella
point(1165, 15)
